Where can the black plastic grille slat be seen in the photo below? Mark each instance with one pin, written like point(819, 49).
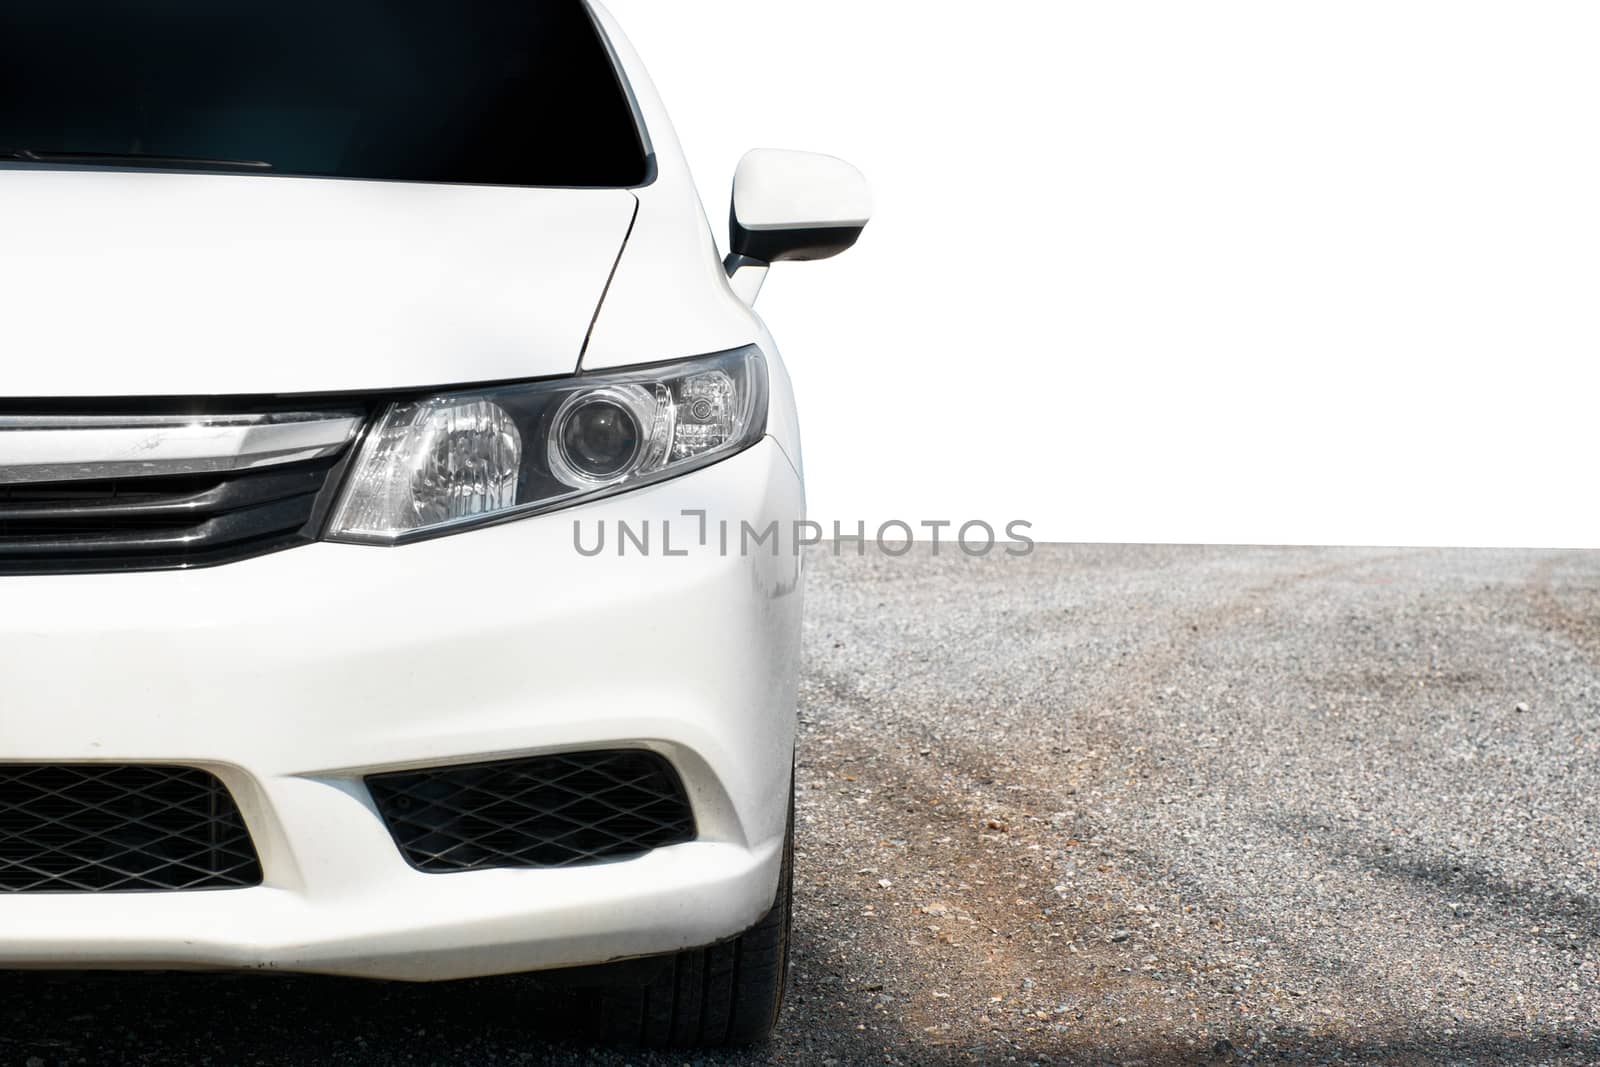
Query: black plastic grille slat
point(547, 811)
point(169, 499)
point(171, 521)
point(209, 533)
point(115, 828)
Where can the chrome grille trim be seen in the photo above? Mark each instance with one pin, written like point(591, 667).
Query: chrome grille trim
point(38, 449)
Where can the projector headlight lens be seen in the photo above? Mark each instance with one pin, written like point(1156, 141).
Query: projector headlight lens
point(444, 463)
point(605, 434)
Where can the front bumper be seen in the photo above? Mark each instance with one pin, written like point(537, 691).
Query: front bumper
point(293, 676)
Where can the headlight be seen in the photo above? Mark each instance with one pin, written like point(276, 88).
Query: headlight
point(444, 462)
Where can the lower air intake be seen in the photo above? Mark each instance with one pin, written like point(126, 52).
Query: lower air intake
point(114, 828)
point(549, 811)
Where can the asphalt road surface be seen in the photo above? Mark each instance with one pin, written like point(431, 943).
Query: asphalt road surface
point(1102, 805)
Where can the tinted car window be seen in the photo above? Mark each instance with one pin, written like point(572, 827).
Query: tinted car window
point(513, 92)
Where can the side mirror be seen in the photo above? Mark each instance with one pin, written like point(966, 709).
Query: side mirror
point(791, 206)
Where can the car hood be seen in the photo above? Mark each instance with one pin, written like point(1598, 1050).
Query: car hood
point(120, 284)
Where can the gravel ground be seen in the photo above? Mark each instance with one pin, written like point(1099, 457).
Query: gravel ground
point(1103, 805)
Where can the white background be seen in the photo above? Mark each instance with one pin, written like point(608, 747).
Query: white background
point(1267, 272)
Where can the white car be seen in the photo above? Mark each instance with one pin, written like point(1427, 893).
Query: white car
point(335, 339)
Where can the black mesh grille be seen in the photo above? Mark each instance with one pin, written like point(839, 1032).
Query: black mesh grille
point(107, 829)
point(155, 523)
point(551, 811)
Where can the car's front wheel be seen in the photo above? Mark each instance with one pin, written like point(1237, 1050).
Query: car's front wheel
point(727, 994)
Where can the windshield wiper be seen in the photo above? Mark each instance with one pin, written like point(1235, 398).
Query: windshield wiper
point(134, 159)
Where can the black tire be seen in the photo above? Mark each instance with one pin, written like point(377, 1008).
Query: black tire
point(724, 995)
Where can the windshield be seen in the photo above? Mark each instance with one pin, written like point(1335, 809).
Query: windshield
point(501, 92)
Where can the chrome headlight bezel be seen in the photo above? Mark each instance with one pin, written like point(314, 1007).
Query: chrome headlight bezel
point(447, 453)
